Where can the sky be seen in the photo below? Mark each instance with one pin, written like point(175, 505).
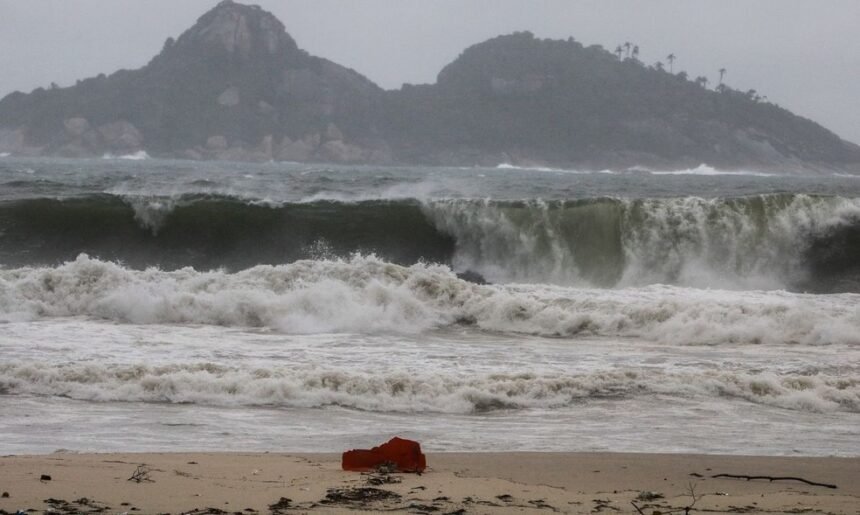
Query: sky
point(802, 54)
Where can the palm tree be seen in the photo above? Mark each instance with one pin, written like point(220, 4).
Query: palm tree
point(627, 46)
point(671, 59)
point(702, 81)
point(619, 51)
point(659, 66)
point(722, 74)
point(636, 52)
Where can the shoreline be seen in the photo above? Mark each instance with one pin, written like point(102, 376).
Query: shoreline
point(518, 482)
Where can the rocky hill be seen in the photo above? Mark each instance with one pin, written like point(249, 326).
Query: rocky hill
point(233, 86)
point(517, 98)
point(236, 86)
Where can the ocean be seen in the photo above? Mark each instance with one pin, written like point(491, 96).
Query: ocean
point(153, 305)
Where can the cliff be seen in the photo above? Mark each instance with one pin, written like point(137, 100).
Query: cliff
point(236, 86)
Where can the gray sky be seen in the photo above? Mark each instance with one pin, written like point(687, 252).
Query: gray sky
point(802, 54)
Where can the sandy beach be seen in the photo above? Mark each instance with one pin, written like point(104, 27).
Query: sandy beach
point(453, 483)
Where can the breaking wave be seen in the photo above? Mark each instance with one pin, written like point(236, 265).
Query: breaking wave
point(140, 155)
point(409, 391)
point(705, 170)
point(777, 241)
point(368, 295)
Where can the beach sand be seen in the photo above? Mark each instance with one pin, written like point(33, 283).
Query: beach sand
point(454, 483)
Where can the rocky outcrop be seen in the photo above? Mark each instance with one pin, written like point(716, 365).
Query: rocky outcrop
point(121, 136)
point(229, 97)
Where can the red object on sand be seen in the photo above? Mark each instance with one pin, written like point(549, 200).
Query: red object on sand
point(406, 455)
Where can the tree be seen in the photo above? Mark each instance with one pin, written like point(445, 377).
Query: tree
point(636, 52)
point(627, 46)
point(659, 66)
point(619, 51)
point(702, 81)
point(671, 58)
point(722, 74)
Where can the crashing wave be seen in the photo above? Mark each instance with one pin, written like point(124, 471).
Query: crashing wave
point(140, 155)
point(410, 391)
point(365, 294)
point(779, 241)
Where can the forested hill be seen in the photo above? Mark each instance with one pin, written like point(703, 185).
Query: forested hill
point(558, 101)
point(237, 86)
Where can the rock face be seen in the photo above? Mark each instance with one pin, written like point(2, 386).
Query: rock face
point(236, 86)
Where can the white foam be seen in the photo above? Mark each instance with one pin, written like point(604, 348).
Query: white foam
point(751, 243)
point(705, 170)
point(151, 213)
point(508, 166)
point(140, 155)
point(5, 154)
point(401, 390)
point(367, 295)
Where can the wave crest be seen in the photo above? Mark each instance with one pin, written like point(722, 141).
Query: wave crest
point(410, 391)
point(367, 294)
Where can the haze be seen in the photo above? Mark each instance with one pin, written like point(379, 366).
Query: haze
point(800, 54)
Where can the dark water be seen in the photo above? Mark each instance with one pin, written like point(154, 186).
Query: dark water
point(699, 228)
point(638, 311)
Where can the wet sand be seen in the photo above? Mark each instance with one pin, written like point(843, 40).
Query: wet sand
point(454, 483)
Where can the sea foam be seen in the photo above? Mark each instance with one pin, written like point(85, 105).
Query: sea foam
point(410, 391)
point(366, 294)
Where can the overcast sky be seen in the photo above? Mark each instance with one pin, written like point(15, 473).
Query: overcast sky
point(801, 54)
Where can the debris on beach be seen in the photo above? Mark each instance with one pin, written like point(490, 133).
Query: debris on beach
point(206, 511)
point(382, 478)
point(396, 455)
point(648, 496)
point(76, 507)
point(140, 474)
point(280, 506)
point(358, 496)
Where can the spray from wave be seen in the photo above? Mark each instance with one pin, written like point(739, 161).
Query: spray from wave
point(366, 294)
point(761, 242)
point(781, 241)
point(140, 155)
point(705, 170)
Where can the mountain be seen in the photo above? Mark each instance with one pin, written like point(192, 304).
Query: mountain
point(233, 86)
point(522, 99)
point(236, 86)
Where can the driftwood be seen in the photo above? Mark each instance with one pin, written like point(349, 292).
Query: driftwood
point(140, 474)
point(691, 489)
point(774, 478)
